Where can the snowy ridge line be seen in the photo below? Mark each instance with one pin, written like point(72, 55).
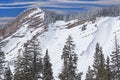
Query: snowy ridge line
point(29, 16)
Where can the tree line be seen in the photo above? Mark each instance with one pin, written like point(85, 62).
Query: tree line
point(29, 64)
point(102, 69)
point(92, 14)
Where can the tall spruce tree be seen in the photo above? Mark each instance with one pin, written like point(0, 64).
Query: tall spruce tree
point(79, 75)
point(8, 74)
point(23, 69)
point(69, 61)
point(99, 63)
point(2, 60)
point(19, 67)
point(47, 67)
point(37, 60)
point(89, 74)
point(115, 60)
point(108, 70)
point(29, 65)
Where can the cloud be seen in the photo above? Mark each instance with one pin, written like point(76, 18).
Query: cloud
point(3, 23)
point(91, 2)
point(22, 4)
point(57, 3)
point(5, 20)
point(60, 6)
point(25, 3)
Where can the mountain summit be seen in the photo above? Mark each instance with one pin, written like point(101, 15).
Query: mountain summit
point(32, 17)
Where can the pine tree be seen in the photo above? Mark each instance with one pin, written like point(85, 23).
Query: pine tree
point(47, 70)
point(8, 74)
point(115, 60)
point(1, 64)
point(89, 74)
point(29, 64)
point(69, 61)
point(108, 70)
point(101, 71)
point(96, 61)
point(20, 68)
point(99, 64)
point(79, 75)
point(37, 60)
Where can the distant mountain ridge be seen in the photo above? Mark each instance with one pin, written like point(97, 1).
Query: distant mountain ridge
point(51, 17)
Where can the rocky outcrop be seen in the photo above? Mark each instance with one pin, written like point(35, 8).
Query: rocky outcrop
point(33, 17)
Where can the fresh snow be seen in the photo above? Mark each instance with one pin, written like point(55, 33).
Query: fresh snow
point(102, 30)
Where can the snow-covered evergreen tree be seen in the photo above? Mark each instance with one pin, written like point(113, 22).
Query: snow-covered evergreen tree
point(115, 60)
point(8, 74)
point(29, 64)
point(1, 64)
point(89, 74)
point(108, 70)
point(69, 61)
point(99, 63)
point(47, 68)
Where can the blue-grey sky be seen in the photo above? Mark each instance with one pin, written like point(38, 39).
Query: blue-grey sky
point(9, 9)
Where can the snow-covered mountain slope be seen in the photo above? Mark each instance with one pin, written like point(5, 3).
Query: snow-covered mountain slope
point(85, 37)
point(102, 30)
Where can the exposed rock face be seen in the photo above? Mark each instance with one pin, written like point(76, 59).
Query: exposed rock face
point(33, 17)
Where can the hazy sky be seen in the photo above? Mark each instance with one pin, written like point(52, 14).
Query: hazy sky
point(11, 8)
